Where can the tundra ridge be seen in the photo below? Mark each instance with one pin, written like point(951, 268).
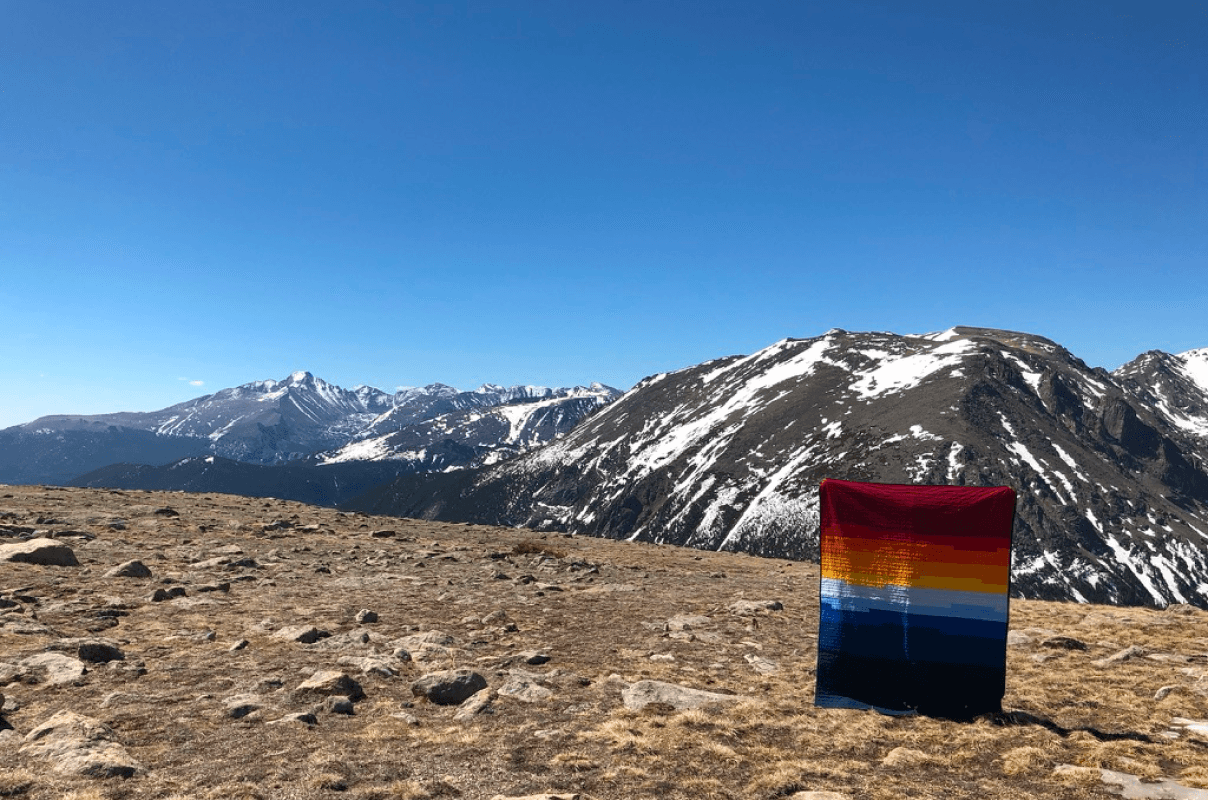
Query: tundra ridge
point(216, 646)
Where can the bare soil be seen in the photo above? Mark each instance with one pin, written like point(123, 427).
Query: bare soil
point(606, 613)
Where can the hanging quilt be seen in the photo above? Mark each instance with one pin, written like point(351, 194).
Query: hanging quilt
point(914, 592)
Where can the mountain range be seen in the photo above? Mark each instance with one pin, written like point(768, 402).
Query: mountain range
point(301, 419)
point(1110, 467)
point(728, 454)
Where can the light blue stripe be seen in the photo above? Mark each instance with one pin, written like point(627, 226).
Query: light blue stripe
point(843, 596)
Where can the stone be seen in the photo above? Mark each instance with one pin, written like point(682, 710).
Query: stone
point(306, 634)
point(819, 796)
point(1064, 643)
point(365, 616)
point(52, 669)
point(338, 704)
point(129, 569)
point(905, 757)
point(1194, 727)
point(540, 796)
point(686, 622)
point(1127, 654)
point(524, 687)
point(241, 705)
point(326, 683)
point(761, 665)
point(755, 606)
point(42, 551)
point(481, 702)
point(99, 652)
point(1128, 786)
point(371, 665)
point(497, 617)
point(78, 745)
point(533, 657)
point(304, 717)
point(450, 687)
point(638, 695)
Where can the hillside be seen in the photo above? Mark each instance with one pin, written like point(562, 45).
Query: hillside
point(198, 680)
point(728, 455)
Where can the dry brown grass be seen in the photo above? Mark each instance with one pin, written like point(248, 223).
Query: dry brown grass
point(600, 610)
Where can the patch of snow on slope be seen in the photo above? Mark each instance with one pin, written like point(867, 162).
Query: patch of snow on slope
point(1125, 558)
point(906, 372)
point(674, 437)
point(769, 496)
point(1195, 367)
point(1033, 378)
point(1069, 461)
point(953, 465)
point(941, 336)
point(365, 450)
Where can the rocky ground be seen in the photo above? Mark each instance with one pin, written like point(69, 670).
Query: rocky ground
point(212, 646)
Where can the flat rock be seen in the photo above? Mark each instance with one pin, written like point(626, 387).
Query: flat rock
point(46, 552)
point(450, 687)
point(52, 669)
point(1131, 787)
point(78, 745)
point(1197, 728)
point(242, 705)
point(524, 688)
point(540, 796)
point(755, 606)
point(130, 569)
point(642, 693)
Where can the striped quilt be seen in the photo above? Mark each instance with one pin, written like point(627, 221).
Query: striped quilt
point(914, 597)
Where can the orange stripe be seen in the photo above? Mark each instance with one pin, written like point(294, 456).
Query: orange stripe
point(915, 564)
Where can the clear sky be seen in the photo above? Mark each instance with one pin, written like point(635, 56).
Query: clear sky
point(198, 195)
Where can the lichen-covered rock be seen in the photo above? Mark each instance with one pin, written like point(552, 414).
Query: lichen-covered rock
point(450, 687)
point(78, 745)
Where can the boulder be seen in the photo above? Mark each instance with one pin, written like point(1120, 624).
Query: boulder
point(130, 569)
point(77, 745)
point(643, 693)
point(481, 702)
point(46, 552)
point(450, 687)
point(328, 683)
point(52, 669)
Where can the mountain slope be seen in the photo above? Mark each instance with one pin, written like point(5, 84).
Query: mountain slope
point(728, 455)
point(1175, 386)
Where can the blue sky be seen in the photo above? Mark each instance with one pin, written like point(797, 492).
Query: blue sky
point(193, 196)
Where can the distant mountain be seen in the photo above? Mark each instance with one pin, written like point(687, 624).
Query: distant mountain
point(728, 455)
point(276, 422)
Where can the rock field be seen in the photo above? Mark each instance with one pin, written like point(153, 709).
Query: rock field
point(157, 645)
